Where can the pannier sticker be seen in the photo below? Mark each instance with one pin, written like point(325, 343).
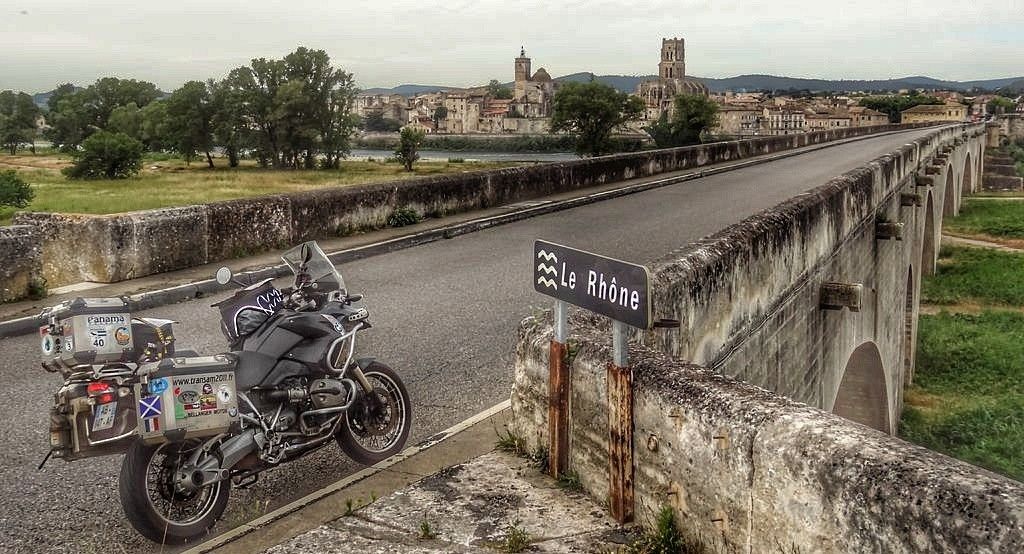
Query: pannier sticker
point(224, 394)
point(207, 402)
point(158, 386)
point(69, 344)
point(103, 417)
point(122, 336)
point(150, 406)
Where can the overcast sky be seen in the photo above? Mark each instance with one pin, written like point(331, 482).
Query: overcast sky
point(466, 42)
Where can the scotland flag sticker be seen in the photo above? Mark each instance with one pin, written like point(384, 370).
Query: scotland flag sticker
point(149, 407)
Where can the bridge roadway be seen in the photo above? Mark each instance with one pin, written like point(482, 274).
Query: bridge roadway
point(444, 315)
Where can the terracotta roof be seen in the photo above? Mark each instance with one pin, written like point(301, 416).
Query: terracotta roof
point(931, 108)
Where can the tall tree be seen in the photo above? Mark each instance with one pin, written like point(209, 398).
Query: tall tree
point(692, 114)
point(498, 90)
point(67, 118)
point(189, 117)
point(894, 104)
point(228, 120)
point(18, 115)
point(591, 112)
point(439, 115)
point(409, 142)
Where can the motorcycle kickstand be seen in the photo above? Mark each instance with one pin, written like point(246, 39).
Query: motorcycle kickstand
point(246, 482)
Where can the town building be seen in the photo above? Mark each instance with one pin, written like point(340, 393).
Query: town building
point(782, 121)
point(925, 113)
point(658, 95)
point(738, 121)
point(866, 117)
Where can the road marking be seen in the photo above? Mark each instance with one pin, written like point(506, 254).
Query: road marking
point(295, 505)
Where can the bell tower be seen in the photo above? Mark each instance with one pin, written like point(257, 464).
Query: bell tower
point(673, 58)
point(522, 66)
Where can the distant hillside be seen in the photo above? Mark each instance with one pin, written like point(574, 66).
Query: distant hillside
point(628, 83)
point(1013, 89)
point(407, 90)
point(42, 98)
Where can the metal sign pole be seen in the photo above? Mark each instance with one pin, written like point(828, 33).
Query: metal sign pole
point(620, 426)
point(558, 394)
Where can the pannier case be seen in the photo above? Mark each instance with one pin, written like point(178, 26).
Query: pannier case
point(187, 398)
point(76, 431)
point(88, 331)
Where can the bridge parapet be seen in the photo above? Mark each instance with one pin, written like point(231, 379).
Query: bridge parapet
point(751, 471)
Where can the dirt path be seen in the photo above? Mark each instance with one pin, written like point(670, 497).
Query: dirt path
point(984, 241)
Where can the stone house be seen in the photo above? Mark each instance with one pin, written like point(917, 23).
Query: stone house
point(951, 111)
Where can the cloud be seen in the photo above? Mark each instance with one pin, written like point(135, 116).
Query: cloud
point(463, 42)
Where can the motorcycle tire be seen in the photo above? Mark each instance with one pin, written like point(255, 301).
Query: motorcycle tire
point(372, 432)
point(138, 505)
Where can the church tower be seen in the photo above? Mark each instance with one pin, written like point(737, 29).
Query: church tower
point(522, 67)
point(673, 59)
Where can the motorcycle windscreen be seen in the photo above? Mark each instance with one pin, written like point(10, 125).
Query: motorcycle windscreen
point(319, 267)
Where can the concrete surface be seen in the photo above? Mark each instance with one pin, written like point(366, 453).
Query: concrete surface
point(444, 316)
point(470, 507)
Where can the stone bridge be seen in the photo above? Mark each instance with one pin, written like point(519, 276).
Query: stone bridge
point(790, 318)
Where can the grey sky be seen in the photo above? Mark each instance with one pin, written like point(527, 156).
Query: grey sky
point(464, 42)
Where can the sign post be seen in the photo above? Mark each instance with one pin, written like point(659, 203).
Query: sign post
point(622, 292)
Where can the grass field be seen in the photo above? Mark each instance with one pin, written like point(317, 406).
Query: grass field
point(976, 276)
point(967, 400)
point(1001, 219)
point(169, 182)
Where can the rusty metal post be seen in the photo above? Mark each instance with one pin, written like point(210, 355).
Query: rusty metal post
point(558, 395)
point(620, 427)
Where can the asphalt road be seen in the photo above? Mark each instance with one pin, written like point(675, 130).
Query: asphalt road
point(444, 314)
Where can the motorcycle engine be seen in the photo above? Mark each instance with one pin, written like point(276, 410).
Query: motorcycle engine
point(328, 393)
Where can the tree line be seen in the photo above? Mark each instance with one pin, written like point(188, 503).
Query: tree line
point(295, 112)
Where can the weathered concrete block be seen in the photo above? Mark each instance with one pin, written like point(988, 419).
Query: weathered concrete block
point(923, 180)
point(1000, 169)
point(998, 160)
point(21, 265)
point(246, 226)
point(910, 199)
point(888, 230)
point(1002, 183)
point(836, 296)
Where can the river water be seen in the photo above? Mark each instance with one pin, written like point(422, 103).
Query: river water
point(469, 155)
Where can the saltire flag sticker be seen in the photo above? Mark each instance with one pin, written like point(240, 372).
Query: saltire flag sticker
point(149, 407)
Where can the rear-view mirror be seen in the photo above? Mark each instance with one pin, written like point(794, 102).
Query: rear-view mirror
point(224, 275)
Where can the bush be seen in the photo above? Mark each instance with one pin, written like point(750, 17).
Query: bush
point(14, 191)
point(402, 217)
point(106, 155)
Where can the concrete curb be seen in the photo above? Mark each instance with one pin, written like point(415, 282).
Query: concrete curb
point(338, 486)
point(190, 291)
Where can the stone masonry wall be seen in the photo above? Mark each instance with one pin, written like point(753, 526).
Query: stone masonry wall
point(122, 246)
point(750, 471)
point(20, 261)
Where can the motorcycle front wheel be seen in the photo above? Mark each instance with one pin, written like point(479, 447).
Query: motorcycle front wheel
point(152, 505)
point(377, 425)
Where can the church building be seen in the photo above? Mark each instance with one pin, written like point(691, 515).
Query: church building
point(658, 95)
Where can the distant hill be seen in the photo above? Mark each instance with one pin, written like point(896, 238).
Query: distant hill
point(1013, 89)
point(42, 98)
point(407, 90)
point(628, 83)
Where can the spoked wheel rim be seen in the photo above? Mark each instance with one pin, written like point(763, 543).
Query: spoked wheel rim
point(378, 425)
point(172, 506)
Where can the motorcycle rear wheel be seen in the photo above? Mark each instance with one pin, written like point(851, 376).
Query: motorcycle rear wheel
point(375, 430)
point(150, 502)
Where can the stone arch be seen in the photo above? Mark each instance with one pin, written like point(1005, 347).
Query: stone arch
point(863, 394)
point(968, 177)
point(949, 194)
point(909, 328)
point(929, 253)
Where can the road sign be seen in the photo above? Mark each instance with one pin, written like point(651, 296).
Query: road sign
point(606, 286)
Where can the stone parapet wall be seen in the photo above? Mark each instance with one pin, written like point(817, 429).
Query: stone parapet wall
point(750, 471)
point(20, 261)
point(123, 246)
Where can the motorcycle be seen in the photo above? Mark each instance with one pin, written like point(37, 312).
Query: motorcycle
point(192, 427)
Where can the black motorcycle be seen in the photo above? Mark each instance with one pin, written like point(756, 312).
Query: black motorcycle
point(194, 426)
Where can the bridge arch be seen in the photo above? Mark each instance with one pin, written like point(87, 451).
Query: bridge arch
point(909, 329)
point(968, 177)
point(949, 194)
point(863, 394)
point(928, 251)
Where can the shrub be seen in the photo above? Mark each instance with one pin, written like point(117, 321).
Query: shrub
point(14, 191)
point(106, 155)
point(409, 143)
point(402, 217)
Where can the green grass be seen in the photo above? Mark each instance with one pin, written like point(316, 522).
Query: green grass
point(170, 182)
point(997, 218)
point(976, 275)
point(968, 397)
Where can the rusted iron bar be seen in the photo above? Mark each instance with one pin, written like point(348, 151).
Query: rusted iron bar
point(558, 395)
point(620, 428)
